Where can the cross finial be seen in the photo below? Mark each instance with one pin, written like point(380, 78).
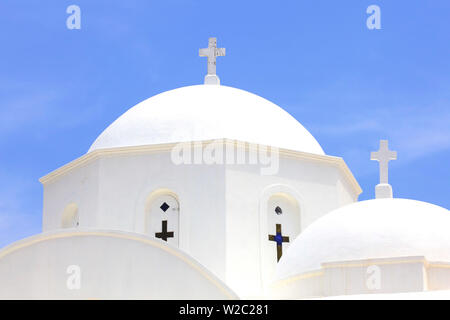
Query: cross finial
point(211, 53)
point(383, 156)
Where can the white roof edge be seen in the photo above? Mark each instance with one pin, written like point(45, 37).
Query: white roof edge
point(88, 157)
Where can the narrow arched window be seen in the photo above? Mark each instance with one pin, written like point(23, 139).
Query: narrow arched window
point(283, 223)
point(70, 218)
point(162, 217)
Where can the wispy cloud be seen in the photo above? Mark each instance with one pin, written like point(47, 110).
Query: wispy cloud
point(24, 109)
point(415, 131)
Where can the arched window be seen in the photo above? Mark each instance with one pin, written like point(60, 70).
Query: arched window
point(283, 224)
point(162, 217)
point(280, 213)
point(70, 217)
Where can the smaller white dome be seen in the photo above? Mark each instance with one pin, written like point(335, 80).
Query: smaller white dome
point(372, 229)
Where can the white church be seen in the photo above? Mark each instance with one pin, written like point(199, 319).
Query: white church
point(212, 192)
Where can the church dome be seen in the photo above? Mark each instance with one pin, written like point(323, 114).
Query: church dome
point(372, 229)
point(207, 112)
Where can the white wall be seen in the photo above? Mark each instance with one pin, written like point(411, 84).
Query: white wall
point(312, 183)
point(103, 265)
point(358, 277)
point(80, 186)
point(223, 216)
point(438, 275)
point(115, 200)
point(402, 274)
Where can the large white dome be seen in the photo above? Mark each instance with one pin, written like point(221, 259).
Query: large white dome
point(370, 229)
point(206, 112)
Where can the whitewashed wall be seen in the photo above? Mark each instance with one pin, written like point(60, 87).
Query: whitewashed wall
point(359, 277)
point(88, 264)
point(312, 183)
point(223, 216)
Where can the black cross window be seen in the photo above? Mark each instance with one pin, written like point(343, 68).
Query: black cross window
point(279, 239)
point(164, 234)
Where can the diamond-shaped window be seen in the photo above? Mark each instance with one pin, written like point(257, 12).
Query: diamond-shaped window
point(164, 207)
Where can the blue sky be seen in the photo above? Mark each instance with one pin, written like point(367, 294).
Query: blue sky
point(348, 85)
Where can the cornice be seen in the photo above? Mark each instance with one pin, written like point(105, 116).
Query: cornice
point(167, 147)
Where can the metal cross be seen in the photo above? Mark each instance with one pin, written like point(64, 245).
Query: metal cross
point(279, 239)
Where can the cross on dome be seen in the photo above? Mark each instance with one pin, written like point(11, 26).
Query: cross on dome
point(383, 156)
point(211, 53)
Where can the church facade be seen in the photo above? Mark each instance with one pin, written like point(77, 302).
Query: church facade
point(212, 192)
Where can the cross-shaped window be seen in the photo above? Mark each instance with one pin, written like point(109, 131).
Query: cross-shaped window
point(279, 239)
